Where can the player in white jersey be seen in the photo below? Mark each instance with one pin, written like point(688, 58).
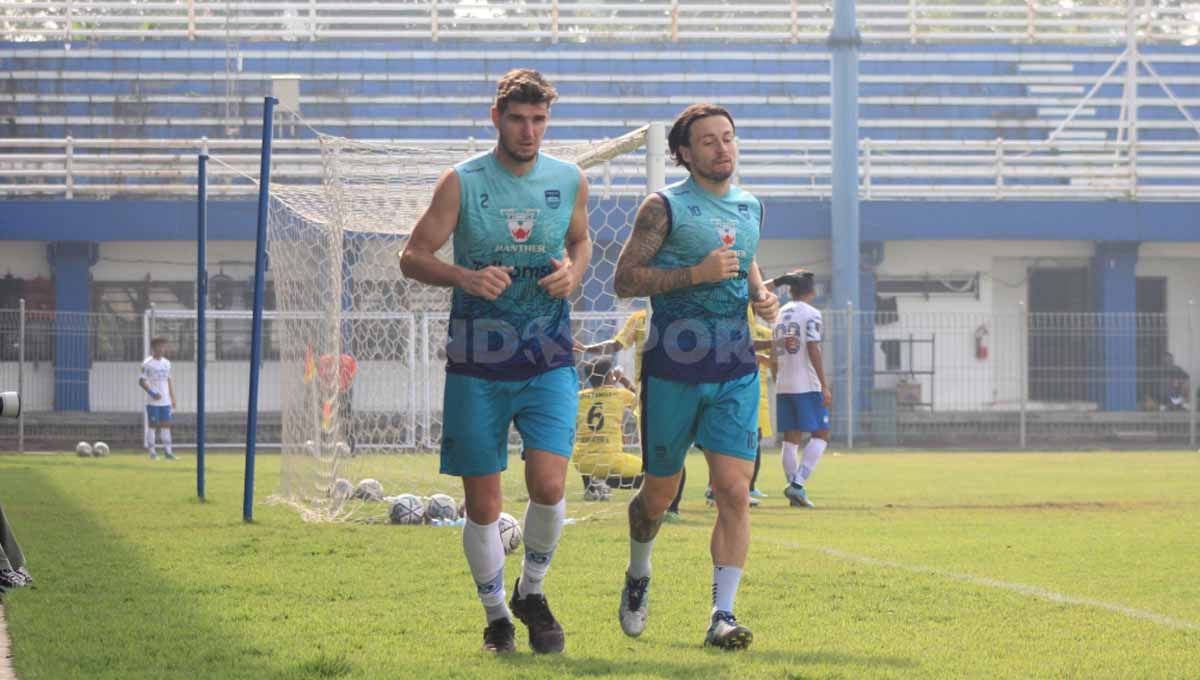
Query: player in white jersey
point(802, 395)
point(160, 398)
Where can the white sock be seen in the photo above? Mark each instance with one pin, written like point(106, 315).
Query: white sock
point(791, 462)
point(150, 440)
point(543, 526)
point(812, 456)
point(166, 440)
point(725, 585)
point(639, 558)
point(485, 556)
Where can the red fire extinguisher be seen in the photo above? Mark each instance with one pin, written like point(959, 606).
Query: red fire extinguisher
point(981, 348)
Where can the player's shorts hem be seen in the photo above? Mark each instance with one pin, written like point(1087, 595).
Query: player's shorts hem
point(556, 450)
point(743, 455)
point(452, 471)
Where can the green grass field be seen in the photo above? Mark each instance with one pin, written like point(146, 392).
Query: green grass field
point(1082, 565)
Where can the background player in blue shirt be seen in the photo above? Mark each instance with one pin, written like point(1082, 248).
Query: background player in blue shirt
point(692, 252)
point(519, 222)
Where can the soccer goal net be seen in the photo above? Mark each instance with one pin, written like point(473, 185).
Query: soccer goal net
point(361, 348)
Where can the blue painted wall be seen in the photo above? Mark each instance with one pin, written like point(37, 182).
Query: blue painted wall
point(175, 220)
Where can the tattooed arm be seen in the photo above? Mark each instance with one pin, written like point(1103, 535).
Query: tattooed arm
point(635, 277)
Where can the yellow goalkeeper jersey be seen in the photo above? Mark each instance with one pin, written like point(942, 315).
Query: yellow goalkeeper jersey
point(761, 332)
point(633, 334)
point(598, 426)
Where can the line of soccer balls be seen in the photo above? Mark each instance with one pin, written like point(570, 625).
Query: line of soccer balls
point(86, 450)
point(410, 509)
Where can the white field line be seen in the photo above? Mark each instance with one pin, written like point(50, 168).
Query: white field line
point(1019, 588)
point(6, 671)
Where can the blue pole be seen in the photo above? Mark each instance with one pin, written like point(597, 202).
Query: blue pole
point(201, 305)
point(844, 42)
point(260, 271)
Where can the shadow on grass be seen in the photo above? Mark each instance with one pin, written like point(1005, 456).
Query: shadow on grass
point(100, 611)
point(700, 664)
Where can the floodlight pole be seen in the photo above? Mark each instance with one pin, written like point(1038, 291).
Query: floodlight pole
point(201, 307)
point(260, 272)
point(844, 42)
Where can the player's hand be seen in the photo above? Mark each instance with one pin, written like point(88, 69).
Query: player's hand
point(826, 397)
point(173, 407)
point(579, 346)
point(721, 264)
point(488, 283)
point(562, 281)
point(767, 305)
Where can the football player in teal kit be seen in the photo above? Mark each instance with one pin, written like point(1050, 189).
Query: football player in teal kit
point(692, 252)
point(518, 218)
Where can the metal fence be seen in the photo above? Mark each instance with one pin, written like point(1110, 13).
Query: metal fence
point(553, 21)
point(994, 380)
point(897, 169)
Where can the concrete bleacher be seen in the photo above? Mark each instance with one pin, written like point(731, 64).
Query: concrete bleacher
point(1011, 110)
point(423, 90)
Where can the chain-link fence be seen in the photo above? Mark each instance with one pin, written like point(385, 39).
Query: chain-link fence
point(1003, 380)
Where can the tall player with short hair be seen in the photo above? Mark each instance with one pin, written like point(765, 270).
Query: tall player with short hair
point(802, 395)
point(518, 218)
point(692, 251)
point(156, 382)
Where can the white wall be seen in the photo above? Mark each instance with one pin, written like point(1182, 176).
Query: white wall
point(24, 259)
point(171, 260)
point(1180, 263)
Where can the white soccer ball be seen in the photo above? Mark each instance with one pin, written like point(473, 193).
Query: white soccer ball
point(341, 489)
point(100, 449)
point(408, 509)
point(598, 491)
point(341, 450)
point(510, 533)
point(440, 506)
point(83, 450)
point(369, 490)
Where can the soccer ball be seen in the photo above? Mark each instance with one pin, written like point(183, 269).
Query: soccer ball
point(510, 533)
point(440, 506)
point(341, 450)
point(100, 449)
point(597, 491)
point(341, 489)
point(369, 490)
point(408, 509)
point(83, 450)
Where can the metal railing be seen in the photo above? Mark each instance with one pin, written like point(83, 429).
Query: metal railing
point(892, 169)
point(586, 21)
point(987, 379)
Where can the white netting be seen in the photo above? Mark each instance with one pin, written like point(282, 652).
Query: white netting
point(334, 255)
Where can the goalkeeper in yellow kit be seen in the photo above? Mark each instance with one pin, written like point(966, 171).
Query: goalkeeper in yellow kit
point(600, 441)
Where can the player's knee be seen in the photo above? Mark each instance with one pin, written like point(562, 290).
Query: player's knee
point(732, 493)
point(546, 490)
point(483, 508)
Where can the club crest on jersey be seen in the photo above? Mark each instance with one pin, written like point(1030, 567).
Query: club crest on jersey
point(727, 233)
point(695, 210)
point(553, 199)
point(744, 210)
point(520, 223)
